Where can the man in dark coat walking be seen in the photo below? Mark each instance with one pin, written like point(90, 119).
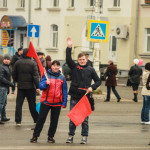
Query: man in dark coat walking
point(111, 82)
point(26, 74)
point(15, 58)
point(4, 86)
point(82, 76)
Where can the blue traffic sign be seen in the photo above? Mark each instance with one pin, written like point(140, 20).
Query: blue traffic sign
point(33, 30)
point(98, 31)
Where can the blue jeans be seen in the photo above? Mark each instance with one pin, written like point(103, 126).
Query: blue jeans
point(72, 126)
point(3, 101)
point(114, 91)
point(14, 86)
point(145, 109)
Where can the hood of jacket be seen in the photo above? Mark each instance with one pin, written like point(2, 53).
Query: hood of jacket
point(25, 51)
point(54, 73)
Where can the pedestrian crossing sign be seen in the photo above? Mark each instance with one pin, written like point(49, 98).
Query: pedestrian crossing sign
point(98, 31)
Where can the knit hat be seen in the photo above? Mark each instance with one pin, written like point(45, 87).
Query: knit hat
point(7, 56)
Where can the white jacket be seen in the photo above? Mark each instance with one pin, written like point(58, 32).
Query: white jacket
point(144, 80)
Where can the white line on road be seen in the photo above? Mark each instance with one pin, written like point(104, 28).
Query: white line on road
point(68, 147)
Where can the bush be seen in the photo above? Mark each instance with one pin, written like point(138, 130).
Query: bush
point(98, 91)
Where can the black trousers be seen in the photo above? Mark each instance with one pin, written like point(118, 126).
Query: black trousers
point(55, 112)
point(30, 94)
point(114, 91)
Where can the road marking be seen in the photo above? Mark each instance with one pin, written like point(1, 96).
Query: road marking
point(69, 146)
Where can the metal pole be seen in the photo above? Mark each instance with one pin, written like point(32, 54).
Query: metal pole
point(29, 19)
point(96, 45)
point(136, 29)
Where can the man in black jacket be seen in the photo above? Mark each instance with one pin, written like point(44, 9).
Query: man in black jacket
point(15, 58)
point(4, 86)
point(25, 73)
point(82, 76)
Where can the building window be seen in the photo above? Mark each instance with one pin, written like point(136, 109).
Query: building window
point(54, 36)
point(148, 39)
point(114, 43)
point(21, 3)
point(92, 3)
point(3, 3)
point(55, 3)
point(71, 3)
point(116, 3)
point(101, 6)
point(38, 4)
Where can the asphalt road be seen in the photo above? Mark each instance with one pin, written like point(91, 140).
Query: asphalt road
point(112, 126)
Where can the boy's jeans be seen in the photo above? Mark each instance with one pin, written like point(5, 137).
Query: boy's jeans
point(72, 126)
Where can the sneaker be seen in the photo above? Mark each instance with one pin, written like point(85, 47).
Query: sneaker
point(147, 122)
point(70, 139)
point(33, 140)
point(18, 124)
point(84, 140)
point(50, 140)
point(142, 122)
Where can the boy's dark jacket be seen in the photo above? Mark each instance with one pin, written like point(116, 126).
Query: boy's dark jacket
point(81, 77)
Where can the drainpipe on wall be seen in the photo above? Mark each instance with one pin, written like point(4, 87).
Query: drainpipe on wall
point(136, 29)
point(29, 19)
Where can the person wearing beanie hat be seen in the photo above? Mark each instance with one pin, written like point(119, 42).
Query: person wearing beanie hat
point(7, 56)
point(134, 77)
point(25, 73)
point(15, 58)
point(4, 86)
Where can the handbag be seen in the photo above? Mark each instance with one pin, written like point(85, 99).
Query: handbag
point(129, 82)
point(147, 83)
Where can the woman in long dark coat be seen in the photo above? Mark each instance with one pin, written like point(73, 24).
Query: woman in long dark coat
point(111, 82)
point(134, 76)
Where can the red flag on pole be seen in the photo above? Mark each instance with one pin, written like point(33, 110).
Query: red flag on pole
point(32, 53)
point(80, 111)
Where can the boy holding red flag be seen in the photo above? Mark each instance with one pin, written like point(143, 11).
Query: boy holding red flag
point(82, 76)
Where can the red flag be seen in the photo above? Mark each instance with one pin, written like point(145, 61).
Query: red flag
point(32, 53)
point(80, 111)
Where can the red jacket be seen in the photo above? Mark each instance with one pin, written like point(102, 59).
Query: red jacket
point(54, 94)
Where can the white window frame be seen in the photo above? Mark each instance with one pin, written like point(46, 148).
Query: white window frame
point(54, 36)
point(111, 51)
point(38, 3)
point(71, 3)
point(146, 40)
point(116, 3)
point(21, 3)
